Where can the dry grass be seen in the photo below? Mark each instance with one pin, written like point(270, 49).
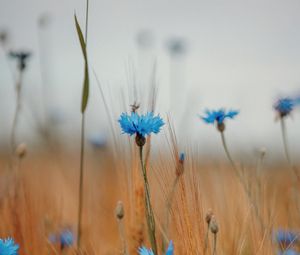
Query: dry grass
point(42, 198)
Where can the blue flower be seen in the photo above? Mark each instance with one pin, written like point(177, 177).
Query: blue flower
point(141, 125)
point(144, 251)
point(8, 247)
point(286, 238)
point(181, 157)
point(218, 116)
point(66, 238)
point(288, 252)
point(284, 106)
point(170, 250)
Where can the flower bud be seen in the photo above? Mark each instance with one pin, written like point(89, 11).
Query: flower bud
point(208, 216)
point(214, 228)
point(221, 126)
point(140, 140)
point(21, 150)
point(119, 211)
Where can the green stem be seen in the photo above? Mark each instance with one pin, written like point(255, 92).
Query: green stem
point(149, 212)
point(80, 202)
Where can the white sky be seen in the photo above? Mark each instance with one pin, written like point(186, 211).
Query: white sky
point(241, 54)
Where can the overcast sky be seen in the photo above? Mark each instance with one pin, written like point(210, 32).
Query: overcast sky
point(239, 54)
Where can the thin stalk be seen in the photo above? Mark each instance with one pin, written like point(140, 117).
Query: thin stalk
point(168, 209)
point(80, 202)
point(149, 212)
point(122, 237)
point(215, 245)
point(206, 240)
point(18, 88)
point(286, 148)
point(79, 230)
point(247, 191)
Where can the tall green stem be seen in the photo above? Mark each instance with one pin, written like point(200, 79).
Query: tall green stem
point(80, 202)
point(149, 212)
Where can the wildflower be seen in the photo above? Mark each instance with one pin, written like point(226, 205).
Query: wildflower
point(284, 106)
point(22, 57)
point(170, 250)
point(286, 238)
point(144, 251)
point(65, 238)
point(140, 125)
point(8, 247)
point(218, 117)
point(288, 252)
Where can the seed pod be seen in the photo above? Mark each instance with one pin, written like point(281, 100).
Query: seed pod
point(214, 228)
point(119, 211)
point(208, 216)
point(140, 140)
point(21, 150)
point(221, 126)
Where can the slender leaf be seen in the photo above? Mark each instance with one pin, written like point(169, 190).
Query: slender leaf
point(85, 91)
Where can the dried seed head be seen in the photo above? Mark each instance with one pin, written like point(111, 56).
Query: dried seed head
point(134, 106)
point(119, 211)
point(208, 216)
point(214, 228)
point(21, 150)
point(140, 140)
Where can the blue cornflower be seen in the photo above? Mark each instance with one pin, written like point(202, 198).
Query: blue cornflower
point(144, 251)
point(140, 125)
point(218, 117)
point(288, 252)
point(286, 238)
point(66, 238)
point(8, 247)
point(181, 157)
point(284, 106)
point(170, 250)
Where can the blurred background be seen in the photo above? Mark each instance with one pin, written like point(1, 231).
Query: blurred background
point(204, 54)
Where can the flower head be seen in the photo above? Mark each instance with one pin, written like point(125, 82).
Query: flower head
point(284, 106)
point(141, 125)
point(65, 238)
point(219, 117)
point(286, 238)
point(170, 250)
point(8, 247)
point(144, 251)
